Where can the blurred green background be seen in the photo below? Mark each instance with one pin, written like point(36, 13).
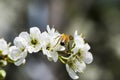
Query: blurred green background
point(98, 20)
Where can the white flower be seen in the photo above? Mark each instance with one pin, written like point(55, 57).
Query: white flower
point(81, 55)
point(33, 40)
point(4, 49)
point(82, 49)
point(49, 44)
point(17, 55)
point(18, 52)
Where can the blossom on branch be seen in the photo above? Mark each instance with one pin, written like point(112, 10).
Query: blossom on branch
point(49, 44)
point(17, 55)
point(33, 40)
point(79, 56)
point(72, 51)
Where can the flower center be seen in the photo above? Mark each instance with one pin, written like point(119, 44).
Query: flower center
point(48, 46)
point(34, 41)
point(79, 52)
point(79, 55)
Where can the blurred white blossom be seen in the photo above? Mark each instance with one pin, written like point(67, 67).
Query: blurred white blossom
point(4, 49)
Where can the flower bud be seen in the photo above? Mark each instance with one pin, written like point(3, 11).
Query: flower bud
point(2, 74)
point(3, 63)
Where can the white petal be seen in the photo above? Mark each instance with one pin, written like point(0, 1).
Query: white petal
point(48, 28)
point(53, 30)
point(19, 62)
point(87, 57)
point(62, 48)
point(80, 66)
point(78, 39)
point(75, 33)
point(3, 44)
point(86, 47)
point(37, 48)
point(30, 49)
point(59, 48)
point(44, 38)
point(20, 42)
point(35, 32)
point(25, 35)
point(24, 54)
point(54, 56)
point(46, 52)
point(24, 61)
point(71, 73)
point(3, 47)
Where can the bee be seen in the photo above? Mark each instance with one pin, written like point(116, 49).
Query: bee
point(64, 39)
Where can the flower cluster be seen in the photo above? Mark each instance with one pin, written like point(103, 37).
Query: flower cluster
point(72, 51)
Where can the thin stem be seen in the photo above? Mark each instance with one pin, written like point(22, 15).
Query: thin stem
point(65, 58)
point(62, 60)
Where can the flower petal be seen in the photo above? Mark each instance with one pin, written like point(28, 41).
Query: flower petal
point(86, 47)
point(87, 57)
point(71, 73)
point(80, 66)
point(19, 62)
point(3, 47)
point(48, 28)
point(20, 42)
point(54, 56)
point(25, 35)
point(30, 49)
point(37, 48)
point(46, 52)
point(35, 32)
